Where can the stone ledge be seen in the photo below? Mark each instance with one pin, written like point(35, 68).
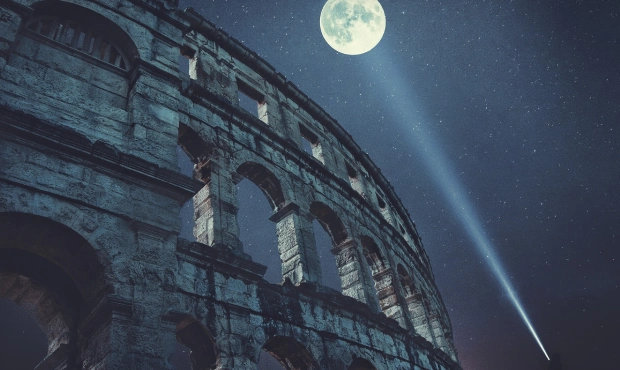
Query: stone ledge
point(221, 258)
point(31, 129)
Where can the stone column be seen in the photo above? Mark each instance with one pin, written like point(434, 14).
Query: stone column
point(388, 297)
point(438, 334)
point(153, 106)
point(300, 260)
point(354, 273)
point(419, 317)
point(215, 208)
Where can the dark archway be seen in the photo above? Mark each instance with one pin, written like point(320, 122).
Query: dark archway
point(361, 364)
point(54, 274)
point(38, 240)
point(203, 354)
point(45, 292)
point(291, 354)
point(193, 145)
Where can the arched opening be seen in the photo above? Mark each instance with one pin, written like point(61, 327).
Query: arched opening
point(45, 293)
point(60, 247)
point(329, 268)
point(330, 222)
point(83, 30)
point(266, 181)
point(53, 274)
point(328, 231)
point(259, 196)
point(196, 349)
point(361, 364)
point(290, 354)
point(256, 231)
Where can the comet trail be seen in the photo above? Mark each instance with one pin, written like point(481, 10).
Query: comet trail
point(405, 111)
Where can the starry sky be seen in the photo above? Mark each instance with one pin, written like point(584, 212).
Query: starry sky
point(522, 100)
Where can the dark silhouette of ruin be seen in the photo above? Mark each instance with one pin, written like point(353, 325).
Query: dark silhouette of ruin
point(92, 109)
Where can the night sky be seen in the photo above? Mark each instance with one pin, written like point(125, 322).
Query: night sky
point(522, 100)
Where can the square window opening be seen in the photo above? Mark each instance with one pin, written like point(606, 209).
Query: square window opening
point(252, 101)
point(310, 143)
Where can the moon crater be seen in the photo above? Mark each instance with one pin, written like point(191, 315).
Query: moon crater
point(352, 27)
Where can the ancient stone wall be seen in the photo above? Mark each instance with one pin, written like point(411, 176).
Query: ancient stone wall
point(93, 106)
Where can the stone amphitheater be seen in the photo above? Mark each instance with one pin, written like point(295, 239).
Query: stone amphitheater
point(93, 108)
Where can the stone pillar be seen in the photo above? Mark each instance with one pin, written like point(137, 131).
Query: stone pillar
point(354, 273)
point(388, 297)
point(419, 317)
point(215, 208)
point(300, 260)
point(153, 106)
point(117, 335)
point(438, 334)
point(442, 335)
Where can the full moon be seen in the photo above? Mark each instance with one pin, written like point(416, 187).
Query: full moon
point(352, 27)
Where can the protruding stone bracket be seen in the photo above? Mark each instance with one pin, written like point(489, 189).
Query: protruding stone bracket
point(221, 259)
point(284, 211)
point(152, 231)
point(111, 307)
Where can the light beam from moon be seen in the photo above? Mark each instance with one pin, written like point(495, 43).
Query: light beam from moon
point(352, 27)
point(406, 111)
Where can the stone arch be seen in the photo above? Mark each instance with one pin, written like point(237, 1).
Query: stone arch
point(193, 145)
point(266, 181)
point(330, 221)
point(52, 273)
point(361, 364)
point(291, 354)
point(85, 30)
point(58, 244)
point(45, 292)
point(203, 352)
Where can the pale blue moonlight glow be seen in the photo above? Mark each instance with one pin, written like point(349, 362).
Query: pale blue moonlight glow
point(408, 113)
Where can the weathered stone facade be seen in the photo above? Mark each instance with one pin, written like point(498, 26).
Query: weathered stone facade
point(93, 106)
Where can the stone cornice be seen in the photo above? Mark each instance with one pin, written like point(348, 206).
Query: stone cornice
point(107, 158)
